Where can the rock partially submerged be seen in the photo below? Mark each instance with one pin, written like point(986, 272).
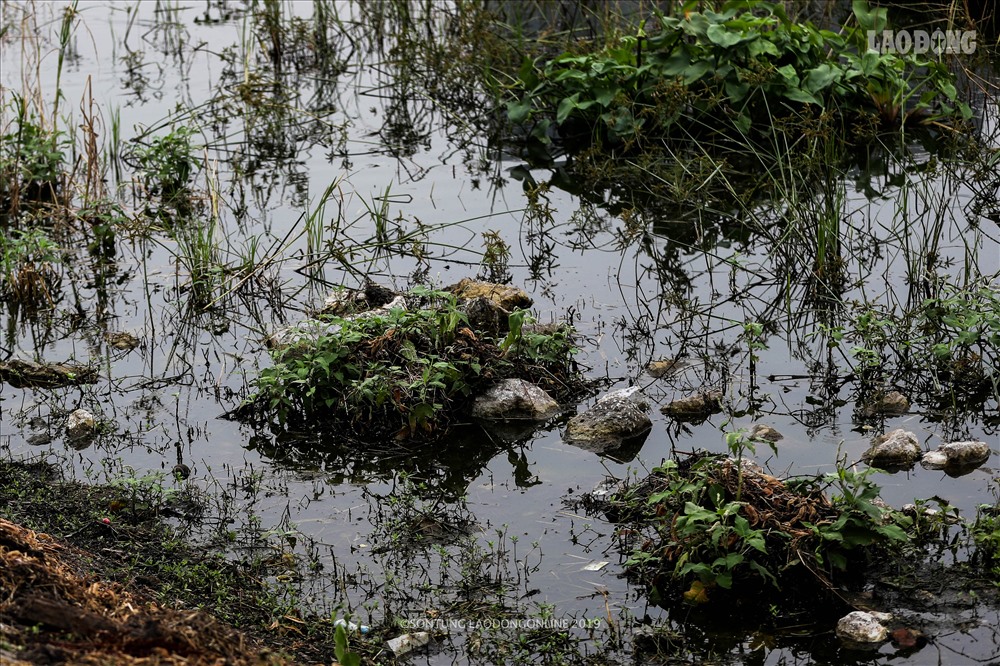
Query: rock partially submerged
point(485, 315)
point(662, 367)
point(81, 425)
point(515, 400)
point(894, 450)
point(507, 297)
point(892, 403)
point(345, 301)
point(617, 417)
point(861, 627)
point(765, 433)
point(121, 340)
point(958, 455)
point(698, 405)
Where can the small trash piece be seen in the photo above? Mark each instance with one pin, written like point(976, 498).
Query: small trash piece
point(401, 645)
point(351, 626)
point(595, 566)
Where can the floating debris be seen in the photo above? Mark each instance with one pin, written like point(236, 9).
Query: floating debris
point(28, 374)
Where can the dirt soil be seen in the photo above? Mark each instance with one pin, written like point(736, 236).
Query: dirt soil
point(53, 611)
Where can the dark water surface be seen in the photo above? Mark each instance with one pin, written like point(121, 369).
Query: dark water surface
point(150, 62)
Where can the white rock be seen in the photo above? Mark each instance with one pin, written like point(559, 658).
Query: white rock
point(515, 400)
point(617, 417)
point(80, 424)
point(957, 454)
point(934, 460)
point(897, 448)
point(861, 627)
point(310, 331)
point(966, 453)
point(401, 645)
point(883, 618)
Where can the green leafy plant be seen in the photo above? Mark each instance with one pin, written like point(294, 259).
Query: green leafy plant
point(27, 273)
point(718, 524)
point(731, 71)
point(342, 649)
point(167, 165)
point(861, 522)
point(496, 257)
point(946, 346)
point(32, 159)
point(405, 371)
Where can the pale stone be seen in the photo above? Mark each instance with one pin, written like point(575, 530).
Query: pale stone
point(80, 424)
point(661, 367)
point(897, 448)
point(515, 400)
point(966, 453)
point(861, 627)
point(617, 416)
point(696, 405)
point(766, 433)
point(507, 297)
point(957, 454)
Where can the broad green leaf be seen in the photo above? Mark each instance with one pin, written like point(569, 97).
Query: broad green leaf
point(869, 62)
point(800, 95)
point(676, 64)
point(737, 90)
point(819, 78)
point(567, 106)
point(759, 47)
point(868, 18)
point(720, 35)
point(604, 93)
point(790, 76)
point(528, 75)
point(519, 112)
point(696, 70)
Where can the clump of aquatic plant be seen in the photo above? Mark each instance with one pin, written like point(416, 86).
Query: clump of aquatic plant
point(985, 532)
point(167, 165)
point(406, 372)
point(495, 264)
point(947, 347)
point(714, 523)
point(730, 75)
point(27, 273)
point(32, 160)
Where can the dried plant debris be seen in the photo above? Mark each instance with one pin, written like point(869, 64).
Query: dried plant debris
point(55, 613)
